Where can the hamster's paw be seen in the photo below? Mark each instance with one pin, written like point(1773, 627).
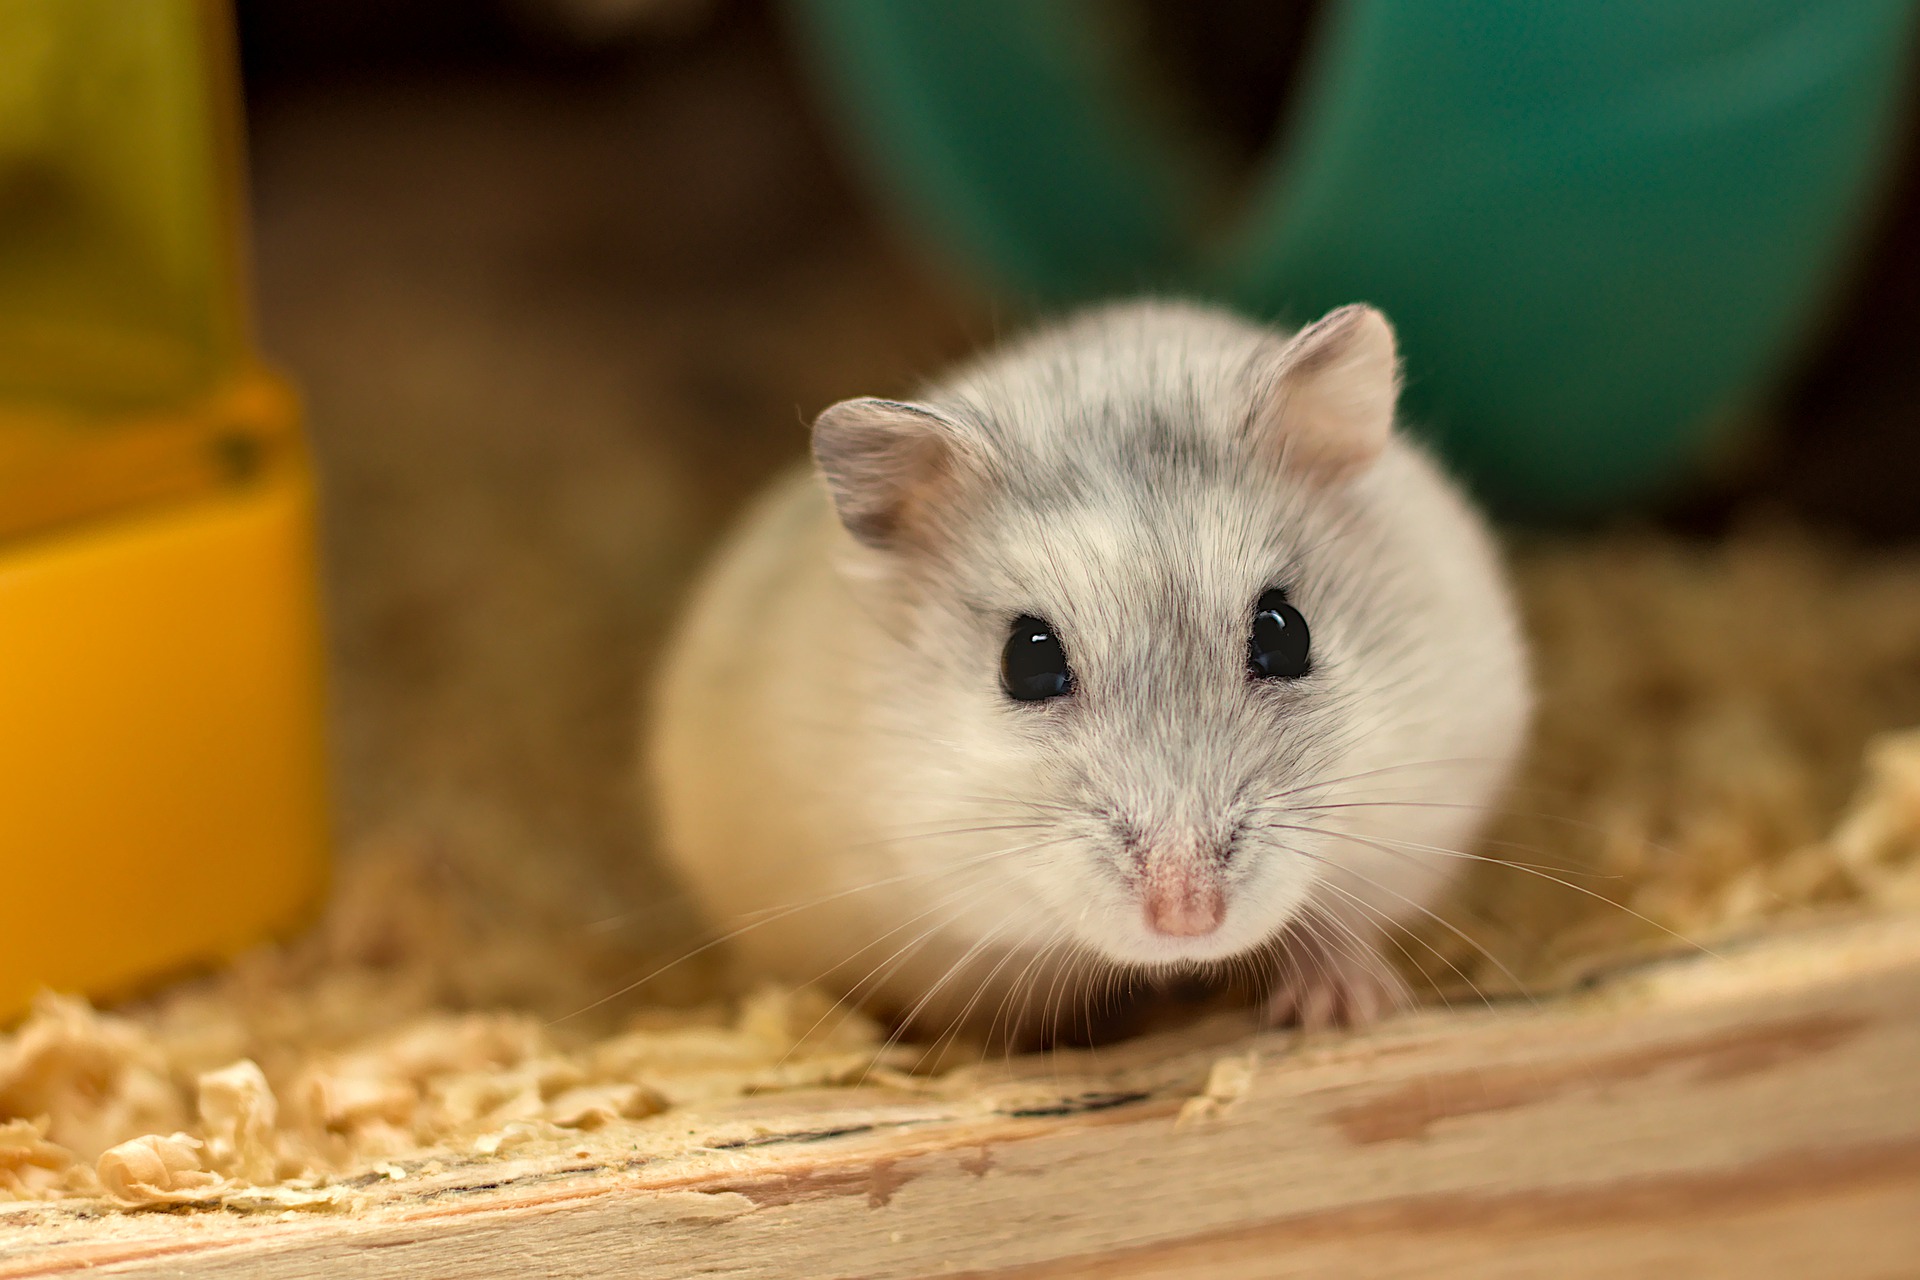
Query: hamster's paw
point(1319, 986)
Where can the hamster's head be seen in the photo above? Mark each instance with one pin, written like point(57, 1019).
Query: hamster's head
point(1146, 598)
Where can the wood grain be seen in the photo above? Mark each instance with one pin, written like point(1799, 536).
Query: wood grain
point(1756, 1115)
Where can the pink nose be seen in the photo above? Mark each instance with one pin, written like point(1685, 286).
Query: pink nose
point(1181, 907)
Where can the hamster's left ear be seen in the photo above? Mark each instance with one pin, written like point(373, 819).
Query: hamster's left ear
point(1325, 400)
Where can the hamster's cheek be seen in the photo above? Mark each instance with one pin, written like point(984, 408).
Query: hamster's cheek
point(1264, 909)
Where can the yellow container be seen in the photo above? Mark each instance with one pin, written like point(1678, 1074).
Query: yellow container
point(161, 800)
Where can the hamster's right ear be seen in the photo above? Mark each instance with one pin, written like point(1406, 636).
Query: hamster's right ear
point(885, 463)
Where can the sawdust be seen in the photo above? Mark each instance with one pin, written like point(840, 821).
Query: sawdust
point(445, 1084)
point(1720, 744)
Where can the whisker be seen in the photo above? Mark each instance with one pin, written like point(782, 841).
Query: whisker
point(1565, 884)
point(1441, 851)
point(874, 978)
point(1424, 910)
point(1491, 811)
point(1319, 784)
point(782, 913)
point(1392, 930)
point(949, 832)
point(920, 1006)
point(980, 988)
point(1015, 997)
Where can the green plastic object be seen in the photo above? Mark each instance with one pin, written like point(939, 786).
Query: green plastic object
point(1600, 228)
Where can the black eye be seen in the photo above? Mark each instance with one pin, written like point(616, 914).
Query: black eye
point(1277, 649)
point(1034, 666)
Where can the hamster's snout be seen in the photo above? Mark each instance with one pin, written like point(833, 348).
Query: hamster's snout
point(1179, 884)
point(1180, 903)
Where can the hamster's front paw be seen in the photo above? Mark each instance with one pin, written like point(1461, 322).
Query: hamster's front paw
point(1319, 985)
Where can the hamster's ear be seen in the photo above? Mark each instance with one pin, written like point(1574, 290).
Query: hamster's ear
point(884, 463)
point(1326, 398)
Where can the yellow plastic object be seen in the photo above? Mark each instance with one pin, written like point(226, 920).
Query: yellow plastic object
point(159, 762)
point(161, 796)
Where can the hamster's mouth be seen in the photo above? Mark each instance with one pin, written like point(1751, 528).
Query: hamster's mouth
point(1126, 931)
point(1140, 945)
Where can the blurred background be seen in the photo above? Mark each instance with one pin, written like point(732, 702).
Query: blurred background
point(560, 283)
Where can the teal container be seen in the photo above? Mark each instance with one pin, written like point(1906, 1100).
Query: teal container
point(1602, 229)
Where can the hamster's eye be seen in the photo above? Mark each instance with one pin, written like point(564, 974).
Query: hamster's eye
point(1033, 666)
point(1277, 649)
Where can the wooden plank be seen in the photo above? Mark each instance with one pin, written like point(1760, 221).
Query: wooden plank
point(1757, 1114)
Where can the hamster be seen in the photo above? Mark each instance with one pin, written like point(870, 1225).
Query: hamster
point(1144, 648)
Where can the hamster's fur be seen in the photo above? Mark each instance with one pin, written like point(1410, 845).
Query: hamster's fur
point(846, 785)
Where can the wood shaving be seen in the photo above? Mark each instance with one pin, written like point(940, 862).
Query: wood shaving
point(1698, 772)
point(1228, 1081)
point(487, 1084)
point(238, 1114)
point(593, 1105)
point(30, 1165)
point(96, 1080)
point(158, 1170)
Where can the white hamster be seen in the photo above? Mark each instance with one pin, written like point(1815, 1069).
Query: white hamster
point(1144, 646)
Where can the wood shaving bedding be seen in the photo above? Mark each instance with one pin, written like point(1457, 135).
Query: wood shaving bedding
point(445, 1084)
point(1697, 772)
